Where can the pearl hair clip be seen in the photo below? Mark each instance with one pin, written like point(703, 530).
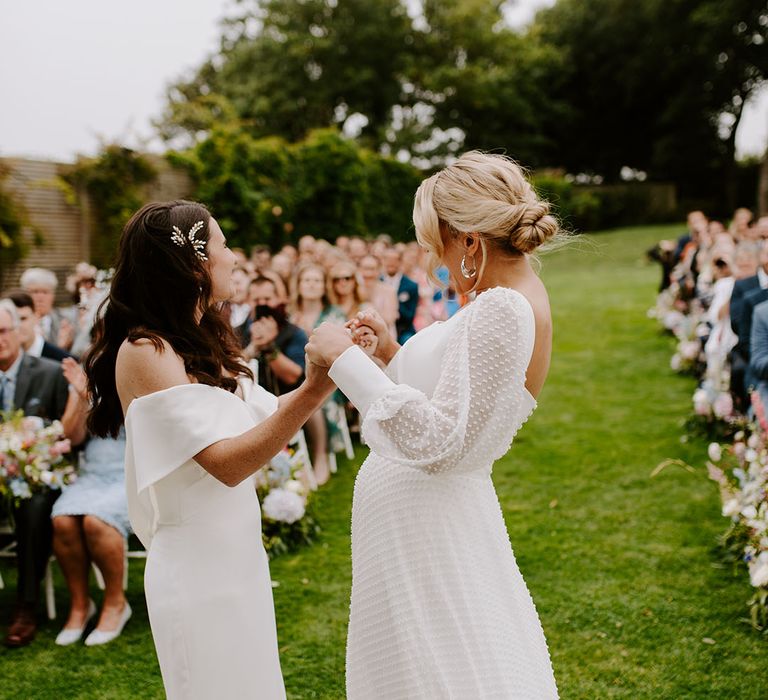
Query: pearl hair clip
point(198, 246)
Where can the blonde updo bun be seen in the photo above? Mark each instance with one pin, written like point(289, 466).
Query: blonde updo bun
point(536, 227)
point(487, 195)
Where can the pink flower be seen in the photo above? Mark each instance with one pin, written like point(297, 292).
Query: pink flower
point(723, 405)
point(61, 447)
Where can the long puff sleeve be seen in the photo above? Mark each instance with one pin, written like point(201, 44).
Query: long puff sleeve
point(475, 408)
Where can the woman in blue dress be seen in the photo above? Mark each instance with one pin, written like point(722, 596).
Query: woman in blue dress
point(90, 523)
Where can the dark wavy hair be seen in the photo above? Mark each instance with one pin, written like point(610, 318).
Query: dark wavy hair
point(157, 291)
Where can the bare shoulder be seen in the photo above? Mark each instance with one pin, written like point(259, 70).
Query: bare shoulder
point(144, 368)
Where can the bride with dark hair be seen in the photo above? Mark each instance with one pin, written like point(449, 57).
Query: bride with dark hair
point(167, 365)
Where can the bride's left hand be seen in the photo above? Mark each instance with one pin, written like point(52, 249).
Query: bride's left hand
point(327, 342)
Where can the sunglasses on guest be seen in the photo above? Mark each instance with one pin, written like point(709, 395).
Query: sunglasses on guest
point(347, 278)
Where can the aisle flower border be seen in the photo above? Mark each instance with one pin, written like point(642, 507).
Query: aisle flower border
point(738, 461)
point(287, 514)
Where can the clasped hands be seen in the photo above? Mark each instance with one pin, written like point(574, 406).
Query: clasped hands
point(367, 330)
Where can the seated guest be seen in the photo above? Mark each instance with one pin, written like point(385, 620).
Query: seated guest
point(344, 291)
point(78, 321)
point(310, 303)
point(759, 351)
point(37, 386)
point(696, 220)
point(282, 265)
point(739, 227)
point(721, 338)
point(310, 306)
point(747, 294)
point(261, 257)
point(269, 337)
point(41, 285)
point(379, 295)
point(32, 341)
point(357, 249)
point(239, 308)
point(407, 293)
point(90, 523)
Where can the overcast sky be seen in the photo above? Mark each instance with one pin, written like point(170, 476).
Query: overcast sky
point(73, 72)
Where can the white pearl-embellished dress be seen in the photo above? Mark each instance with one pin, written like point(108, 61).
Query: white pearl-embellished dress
point(439, 608)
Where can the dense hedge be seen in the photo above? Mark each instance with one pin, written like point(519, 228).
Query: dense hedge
point(271, 191)
point(114, 181)
point(598, 207)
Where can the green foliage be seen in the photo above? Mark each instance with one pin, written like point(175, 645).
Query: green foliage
point(269, 191)
point(283, 538)
point(576, 209)
point(647, 82)
point(591, 86)
point(310, 64)
point(13, 219)
point(113, 182)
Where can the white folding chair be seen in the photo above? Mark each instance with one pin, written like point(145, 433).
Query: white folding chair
point(299, 443)
point(9, 552)
point(338, 415)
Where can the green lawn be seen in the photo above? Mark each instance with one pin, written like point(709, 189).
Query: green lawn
point(624, 569)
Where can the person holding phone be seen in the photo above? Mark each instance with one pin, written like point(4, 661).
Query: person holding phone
point(269, 337)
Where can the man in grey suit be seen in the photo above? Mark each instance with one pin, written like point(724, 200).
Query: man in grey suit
point(37, 386)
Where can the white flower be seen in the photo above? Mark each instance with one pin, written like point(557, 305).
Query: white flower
point(676, 362)
point(749, 512)
point(20, 489)
point(714, 451)
point(754, 441)
point(731, 508)
point(46, 477)
point(700, 402)
point(758, 570)
point(283, 506)
point(689, 349)
point(750, 455)
point(294, 486)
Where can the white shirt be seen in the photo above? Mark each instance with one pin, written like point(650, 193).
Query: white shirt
point(36, 349)
point(394, 280)
point(238, 313)
point(10, 384)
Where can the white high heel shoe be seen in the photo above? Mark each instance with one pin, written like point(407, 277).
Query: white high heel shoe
point(70, 635)
point(100, 637)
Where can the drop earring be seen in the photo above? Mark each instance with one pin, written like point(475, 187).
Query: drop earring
point(468, 273)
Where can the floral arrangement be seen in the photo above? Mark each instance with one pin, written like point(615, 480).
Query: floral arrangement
point(33, 456)
point(741, 471)
point(287, 522)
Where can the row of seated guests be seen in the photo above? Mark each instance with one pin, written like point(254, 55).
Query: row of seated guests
point(726, 272)
point(278, 300)
point(86, 523)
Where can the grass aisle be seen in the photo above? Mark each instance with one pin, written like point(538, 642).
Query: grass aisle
point(624, 569)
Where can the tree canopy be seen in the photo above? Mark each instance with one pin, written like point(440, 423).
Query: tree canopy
point(591, 86)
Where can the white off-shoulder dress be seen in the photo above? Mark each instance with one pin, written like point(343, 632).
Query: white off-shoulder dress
point(207, 582)
point(439, 608)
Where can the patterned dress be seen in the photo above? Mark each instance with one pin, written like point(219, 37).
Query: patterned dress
point(439, 608)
